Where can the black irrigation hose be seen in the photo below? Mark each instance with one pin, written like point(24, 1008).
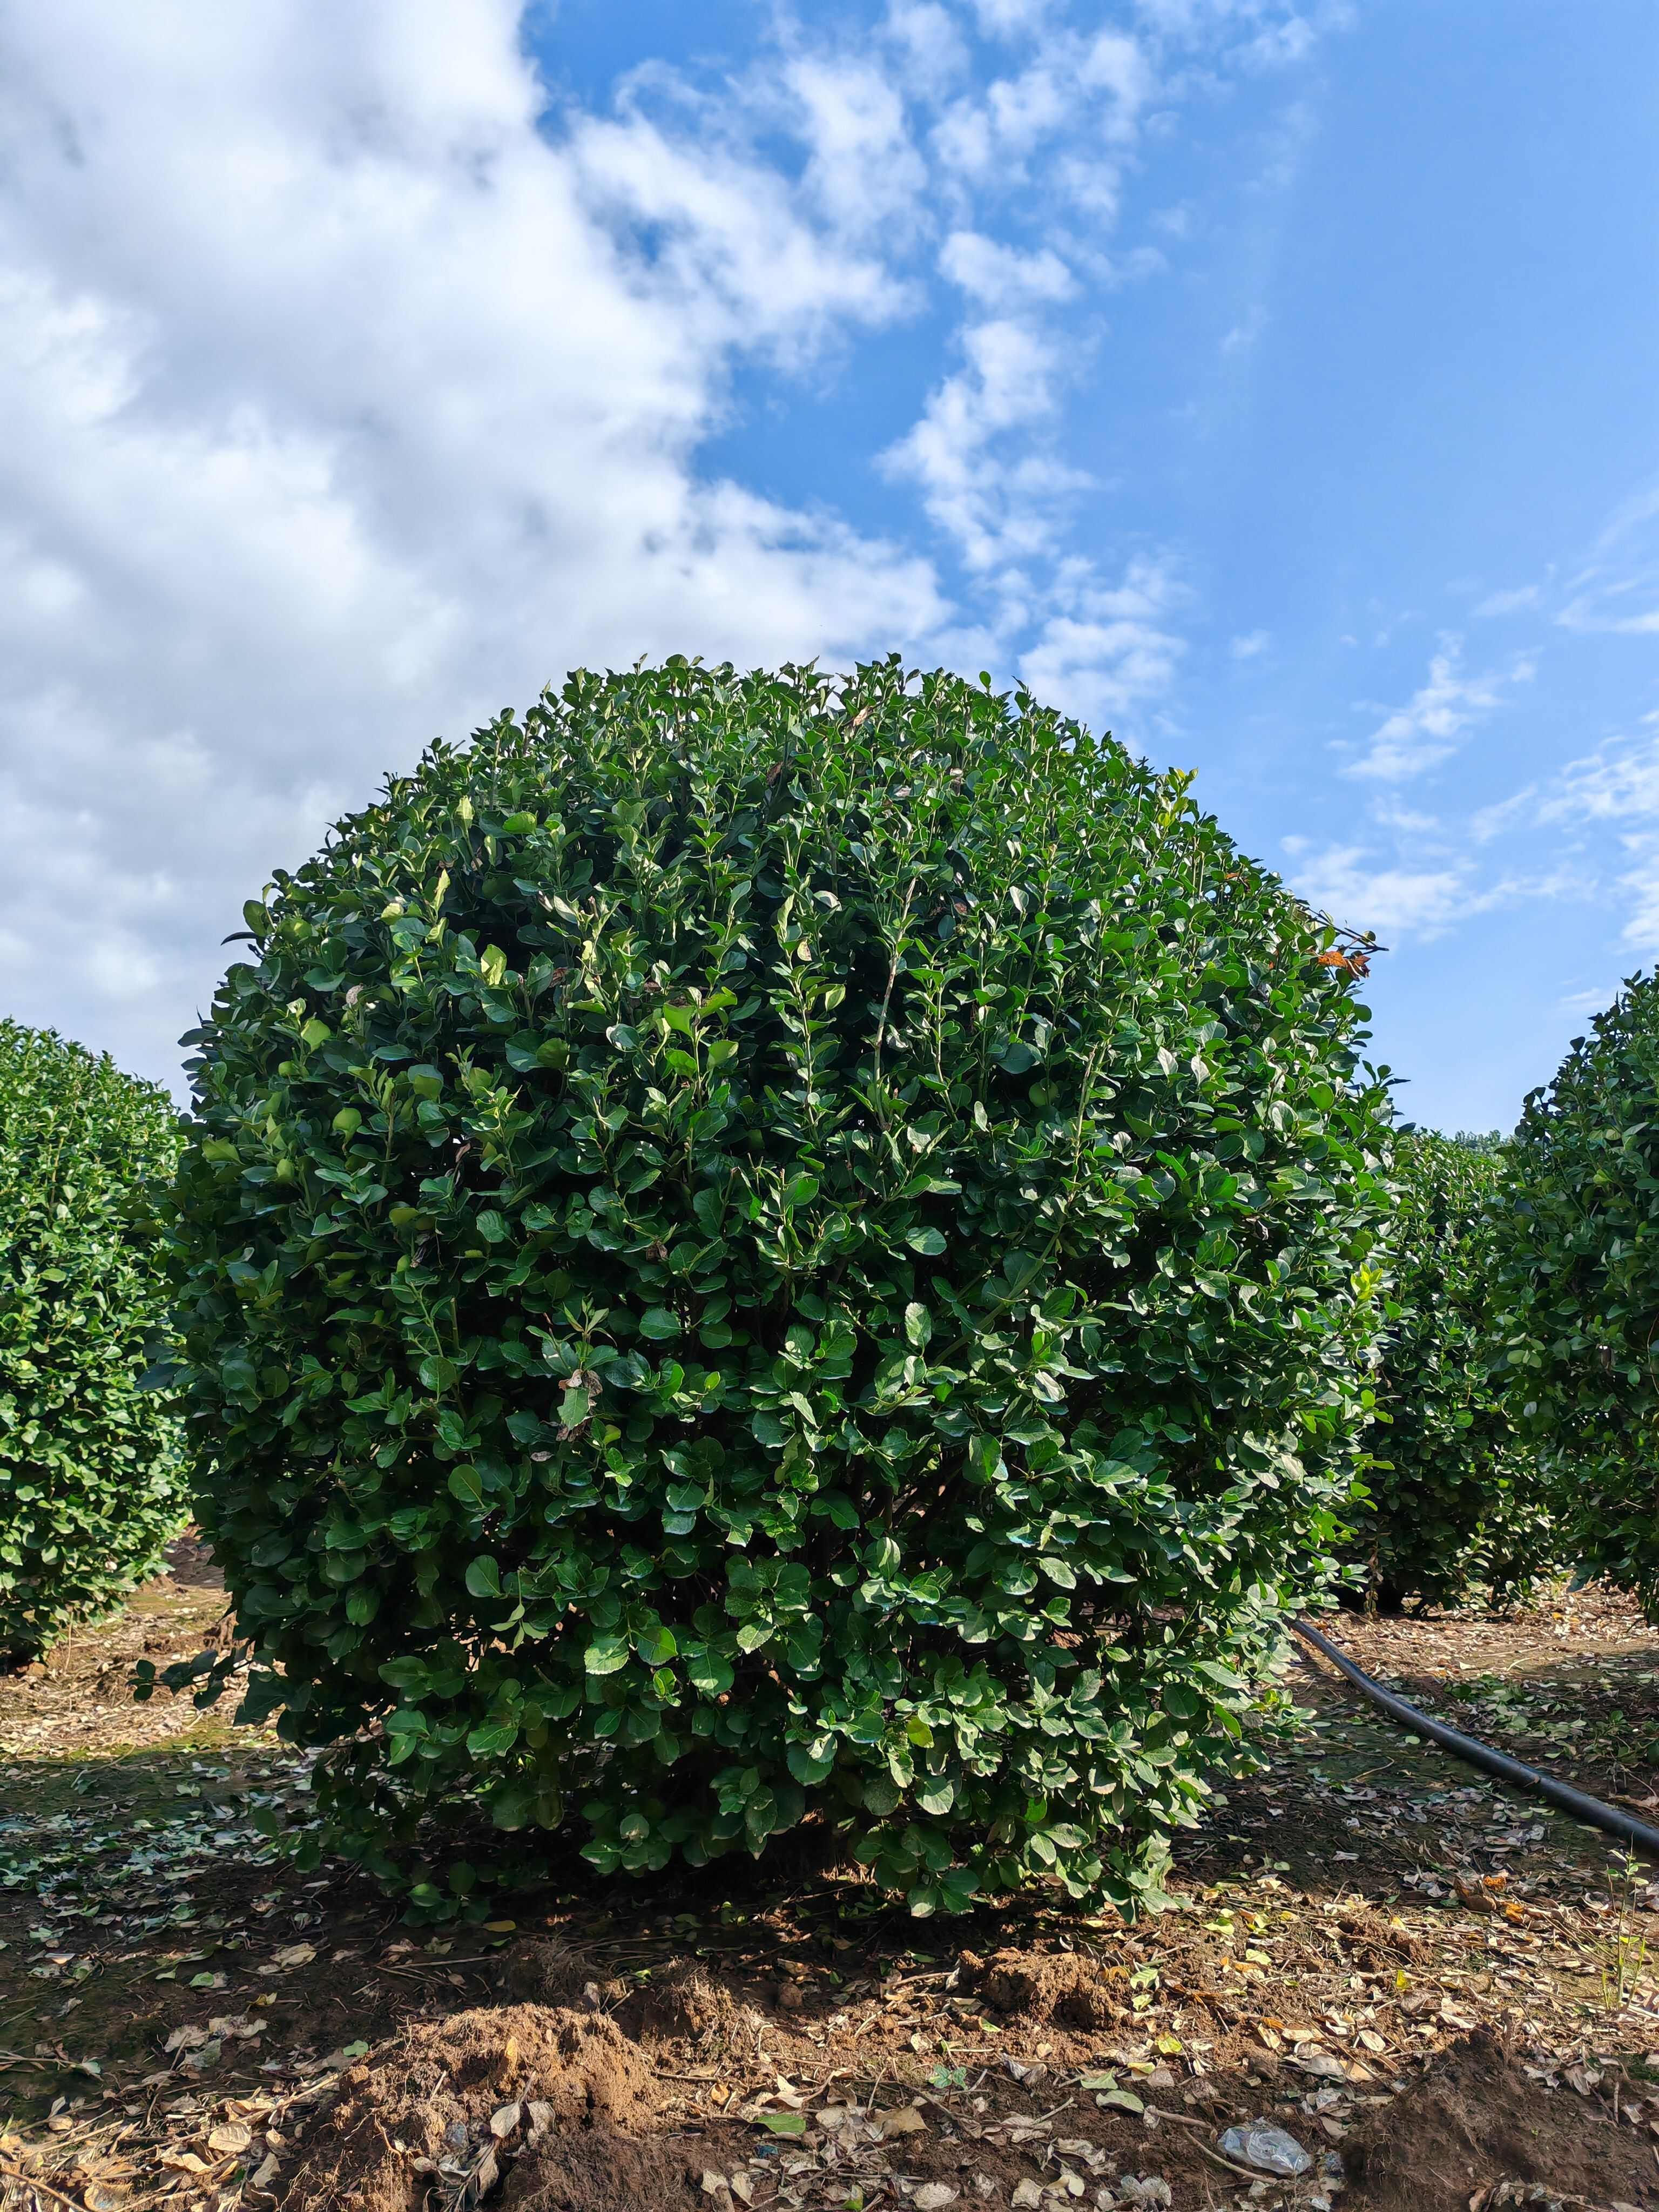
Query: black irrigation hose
point(1590, 1809)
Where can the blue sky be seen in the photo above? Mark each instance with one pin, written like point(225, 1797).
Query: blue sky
point(1273, 383)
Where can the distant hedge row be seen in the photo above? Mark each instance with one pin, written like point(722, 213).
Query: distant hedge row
point(1458, 1501)
point(1578, 1289)
point(91, 1477)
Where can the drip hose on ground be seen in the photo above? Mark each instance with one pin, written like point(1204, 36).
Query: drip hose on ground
point(1609, 1818)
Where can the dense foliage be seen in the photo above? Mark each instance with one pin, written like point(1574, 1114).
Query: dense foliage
point(90, 1484)
point(1456, 1499)
point(766, 1246)
point(1579, 1246)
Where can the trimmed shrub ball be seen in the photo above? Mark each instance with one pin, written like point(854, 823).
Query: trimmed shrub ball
point(1579, 1258)
point(1457, 1500)
point(91, 1477)
point(772, 1247)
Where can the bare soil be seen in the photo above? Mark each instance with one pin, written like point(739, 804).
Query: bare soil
point(1443, 1992)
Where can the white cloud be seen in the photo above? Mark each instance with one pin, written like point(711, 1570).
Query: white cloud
point(1250, 645)
point(996, 506)
point(1245, 333)
point(1615, 604)
point(1619, 785)
point(863, 171)
point(1346, 882)
point(1432, 724)
point(1618, 590)
point(1111, 650)
point(356, 382)
point(343, 404)
point(1589, 1001)
point(934, 52)
point(1619, 782)
point(1507, 603)
point(1490, 822)
point(1349, 883)
point(1000, 276)
point(1104, 81)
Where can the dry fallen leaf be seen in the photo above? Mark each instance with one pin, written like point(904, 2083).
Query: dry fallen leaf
point(230, 2139)
point(933, 2197)
point(295, 1954)
point(906, 2121)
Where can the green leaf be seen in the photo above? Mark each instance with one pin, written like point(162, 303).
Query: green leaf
point(659, 1323)
point(707, 1672)
point(463, 1483)
point(781, 2123)
point(928, 1241)
point(606, 1654)
point(484, 1577)
point(807, 1767)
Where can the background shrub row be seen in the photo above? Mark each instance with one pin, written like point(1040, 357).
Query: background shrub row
point(90, 1471)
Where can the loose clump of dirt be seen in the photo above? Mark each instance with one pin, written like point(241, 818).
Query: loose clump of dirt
point(1477, 2121)
point(1071, 1988)
point(678, 2003)
point(559, 2102)
point(683, 2004)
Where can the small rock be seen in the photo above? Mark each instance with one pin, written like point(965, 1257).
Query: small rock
point(1268, 2149)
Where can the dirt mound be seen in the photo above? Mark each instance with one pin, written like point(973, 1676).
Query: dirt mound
point(1478, 2119)
point(681, 2004)
point(555, 1973)
point(1068, 1987)
point(1375, 1941)
point(559, 2102)
point(678, 2003)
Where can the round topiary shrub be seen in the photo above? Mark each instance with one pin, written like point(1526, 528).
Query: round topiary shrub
point(1579, 1254)
point(1456, 1499)
point(90, 1476)
point(766, 1246)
